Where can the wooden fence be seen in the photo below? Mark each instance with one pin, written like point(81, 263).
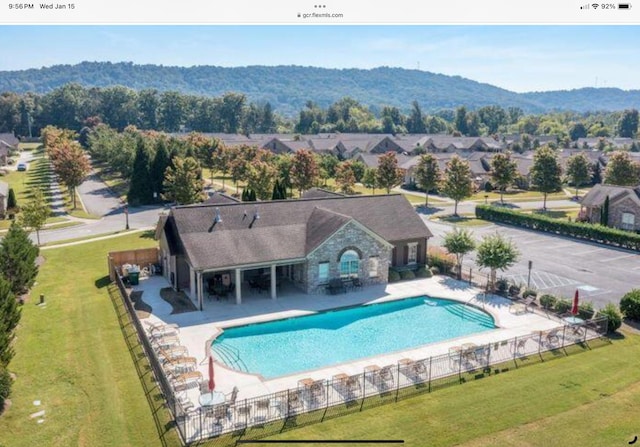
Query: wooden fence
point(142, 257)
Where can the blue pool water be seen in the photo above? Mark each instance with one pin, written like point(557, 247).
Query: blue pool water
point(293, 345)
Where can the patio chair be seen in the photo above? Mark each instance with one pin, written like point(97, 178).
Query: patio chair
point(354, 389)
point(168, 341)
point(159, 329)
point(296, 403)
point(263, 411)
point(232, 396)
point(172, 353)
point(386, 376)
point(183, 380)
point(551, 337)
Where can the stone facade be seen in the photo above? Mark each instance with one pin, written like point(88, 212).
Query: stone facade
point(626, 205)
point(351, 237)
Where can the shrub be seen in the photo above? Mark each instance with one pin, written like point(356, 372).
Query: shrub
point(530, 292)
point(614, 317)
point(394, 276)
point(423, 272)
point(578, 230)
point(5, 386)
point(548, 301)
point(514, 290)
point(585, 310)
point(407, 274)
point(630, 304)
point(502, 285)
point(488, 187)
point(439, 257)
point(562, 306)
point(434, 270)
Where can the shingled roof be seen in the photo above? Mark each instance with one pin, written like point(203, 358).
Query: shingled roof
point(598, 194)
point(284, 229)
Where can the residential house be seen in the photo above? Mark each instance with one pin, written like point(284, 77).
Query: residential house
point(8, 143)
point(305, 243)
point(624, 206)
point(4, 197)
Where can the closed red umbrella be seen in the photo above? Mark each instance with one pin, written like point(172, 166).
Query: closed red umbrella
point(212, 383)
point(574, 308)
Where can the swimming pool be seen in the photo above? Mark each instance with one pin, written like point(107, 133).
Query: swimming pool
point(282, 347)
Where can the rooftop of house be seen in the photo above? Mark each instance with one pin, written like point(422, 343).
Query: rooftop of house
point(598, 194)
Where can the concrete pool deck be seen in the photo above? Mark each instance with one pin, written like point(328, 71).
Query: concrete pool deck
point(198, 327)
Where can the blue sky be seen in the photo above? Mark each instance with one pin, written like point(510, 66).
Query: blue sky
point(518, 58)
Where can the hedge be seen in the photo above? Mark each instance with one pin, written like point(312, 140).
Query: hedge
point(579, 230)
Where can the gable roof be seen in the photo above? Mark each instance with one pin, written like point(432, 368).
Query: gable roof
point(285, 229)
point(218, 198)
point(317, 193)
point(598, 194)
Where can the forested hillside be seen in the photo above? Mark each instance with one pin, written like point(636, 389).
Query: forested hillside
point(289, 88)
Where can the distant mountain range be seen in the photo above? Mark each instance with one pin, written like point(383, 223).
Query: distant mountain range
point(288, 88)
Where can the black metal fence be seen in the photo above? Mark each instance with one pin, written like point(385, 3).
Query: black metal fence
point(315, 401)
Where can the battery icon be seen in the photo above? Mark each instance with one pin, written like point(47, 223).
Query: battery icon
point(624, 6)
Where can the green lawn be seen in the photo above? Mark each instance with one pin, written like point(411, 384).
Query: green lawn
point(517, 196)
point(29, 146)
point(564, 213)
point(463, 220)
point(586, 399)
point(72, 356)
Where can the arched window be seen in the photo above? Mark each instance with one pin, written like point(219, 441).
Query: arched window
point(349, 264)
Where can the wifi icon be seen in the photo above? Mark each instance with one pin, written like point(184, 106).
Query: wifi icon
point(594, 5)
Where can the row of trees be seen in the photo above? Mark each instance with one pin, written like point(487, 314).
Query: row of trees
point(70, 105)
point(67, 157)
point(493, 252)
point(18, 271)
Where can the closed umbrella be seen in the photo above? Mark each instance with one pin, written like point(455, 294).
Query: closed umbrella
point(574, 308)
point(212, 383)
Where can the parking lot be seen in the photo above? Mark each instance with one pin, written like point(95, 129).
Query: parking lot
point(561, 265)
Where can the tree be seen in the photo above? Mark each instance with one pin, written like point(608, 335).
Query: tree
point(579, 170)
point(183, 183)
point(389, 175)
point(461, 120)
point(12, 203)
point(35, 212)
point(576, 131)
point(9, 318)
point(496, 253)
point(304, 170)
point(279, 193)
point(456, 182)
point(370, 179)
point(621, 170)
point(546, 173)
point(141, 186)
point(18, 259)
point(504, 172)
point(159, 167)
point(604, 212)
point(628, 124)
point(428, 174)
point(261, 176)
point(345, 178)
point(459, 242)
point(415, 122)
point(71, 165)
point(329, 163)
point(221, 160)
point(596, 173)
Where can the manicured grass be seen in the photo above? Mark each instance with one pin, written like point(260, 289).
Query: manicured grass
point(29, 146)
point(52, 222)
point(517, 196)
point(562, 214)
point(72, 356)
point(587, 398)
point(463, 220)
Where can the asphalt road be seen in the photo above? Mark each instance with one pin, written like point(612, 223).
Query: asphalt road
point(561, 265)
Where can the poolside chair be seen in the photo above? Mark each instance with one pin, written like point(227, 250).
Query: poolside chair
point(160, 328)
point(232, 396)
point(171, 353)
point(184, 402)
point(354, 388)
point(317, 392)
point(295, 403)
point(386, 376)
point(551, 337)
point(183, 380)
point(418, 370)
point(169, 341)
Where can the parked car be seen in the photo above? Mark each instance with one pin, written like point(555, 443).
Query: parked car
point(22, 167)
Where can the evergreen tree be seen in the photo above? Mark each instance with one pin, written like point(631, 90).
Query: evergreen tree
point(18, 259)
point(9, 319)
point(604, 212)
point(12, 203)
point(159, 167)
point(596, 173)
point(277, 191)
point(141, 187)
point(461, 120)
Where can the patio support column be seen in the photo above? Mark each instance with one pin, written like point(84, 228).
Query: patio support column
point(192, 283)
point(273, 282)
point(199, 275)
point(238, 287)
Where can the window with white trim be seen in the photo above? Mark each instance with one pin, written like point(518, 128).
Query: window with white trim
point(349, 264)
point(628, 221)
point(323, 272)
point(373, 266)
point(412, 258)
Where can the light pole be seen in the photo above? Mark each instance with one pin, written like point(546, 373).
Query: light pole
point(529, 275)
point(486, 199)
point(126, 216)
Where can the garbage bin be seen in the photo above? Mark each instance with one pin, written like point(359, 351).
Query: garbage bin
point(134, 278)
